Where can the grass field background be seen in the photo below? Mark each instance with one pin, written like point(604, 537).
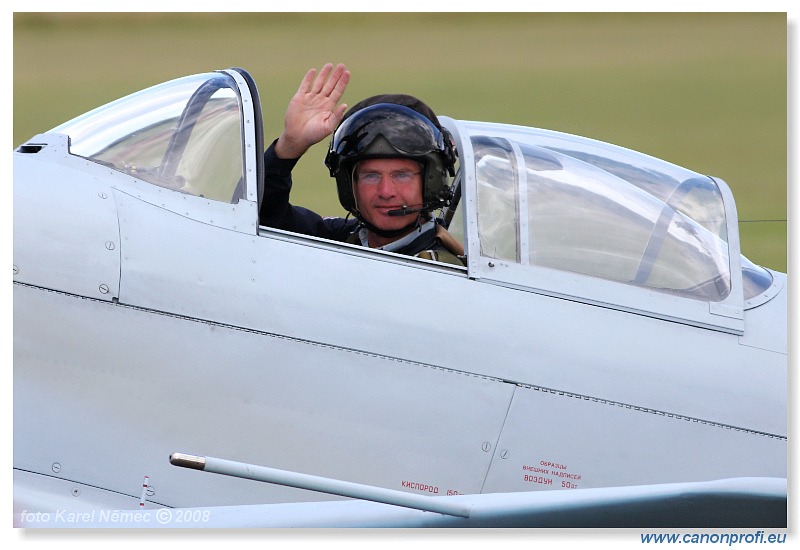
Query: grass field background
point(707, 91)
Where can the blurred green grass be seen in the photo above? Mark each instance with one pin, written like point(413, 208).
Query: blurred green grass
point(707, 91)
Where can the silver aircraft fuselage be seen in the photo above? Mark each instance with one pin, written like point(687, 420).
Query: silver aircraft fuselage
point(149, 320)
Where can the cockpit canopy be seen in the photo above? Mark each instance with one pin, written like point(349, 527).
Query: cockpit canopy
point(576, 205)
point(536, 201)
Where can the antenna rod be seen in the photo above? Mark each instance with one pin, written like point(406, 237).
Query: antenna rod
point(319, 484)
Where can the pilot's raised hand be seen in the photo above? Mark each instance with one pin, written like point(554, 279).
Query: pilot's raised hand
point(313, 113)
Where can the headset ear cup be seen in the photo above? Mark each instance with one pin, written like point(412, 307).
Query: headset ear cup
point(344, 187)
point(450, 152)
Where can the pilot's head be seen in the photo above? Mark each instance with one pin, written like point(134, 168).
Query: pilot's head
point(391, 152)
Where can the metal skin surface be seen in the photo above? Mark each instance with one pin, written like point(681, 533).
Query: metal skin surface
point(148, 321)
point(752, 503)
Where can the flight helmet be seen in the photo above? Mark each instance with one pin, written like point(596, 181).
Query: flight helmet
point(391, 126)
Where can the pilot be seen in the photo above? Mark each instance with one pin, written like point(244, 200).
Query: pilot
point(391, 159)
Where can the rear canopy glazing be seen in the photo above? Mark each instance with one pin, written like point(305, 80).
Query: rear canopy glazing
point(558, 201)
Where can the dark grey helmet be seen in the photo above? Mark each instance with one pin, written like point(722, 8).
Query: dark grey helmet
point(391, 126)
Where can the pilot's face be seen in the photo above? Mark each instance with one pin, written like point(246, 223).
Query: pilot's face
point(383, 185)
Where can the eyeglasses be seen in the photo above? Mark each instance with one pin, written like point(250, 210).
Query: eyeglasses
point(399, 178)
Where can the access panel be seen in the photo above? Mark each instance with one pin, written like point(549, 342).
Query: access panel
point(557, 440)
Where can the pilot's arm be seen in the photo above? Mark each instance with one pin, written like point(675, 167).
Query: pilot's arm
point(313, 113)
point(277, 211)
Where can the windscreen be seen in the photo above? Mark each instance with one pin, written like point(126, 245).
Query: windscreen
point(184, 135)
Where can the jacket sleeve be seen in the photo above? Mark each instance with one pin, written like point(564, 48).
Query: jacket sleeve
point(276, 210)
